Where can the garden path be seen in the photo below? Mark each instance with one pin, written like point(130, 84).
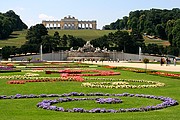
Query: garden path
point(150, 66)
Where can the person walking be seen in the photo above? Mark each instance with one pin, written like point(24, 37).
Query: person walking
point(167, 61)
point(174, 61)
point(161, 61)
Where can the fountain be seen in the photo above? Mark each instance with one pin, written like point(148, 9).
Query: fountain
point(88, 52)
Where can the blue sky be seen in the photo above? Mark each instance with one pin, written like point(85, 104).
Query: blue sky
point(104, 11)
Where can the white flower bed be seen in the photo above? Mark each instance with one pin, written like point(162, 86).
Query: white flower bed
point(120, 83)
point(31, 75)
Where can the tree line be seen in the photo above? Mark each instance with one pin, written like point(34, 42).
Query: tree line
point(10, 22)
point(120, 40)
point(130, 42)
point(162, 23)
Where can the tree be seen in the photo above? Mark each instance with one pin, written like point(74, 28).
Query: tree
point(48, 43)
point(25, 48)
point(176, 34)
point(160, 31)
point(7, 28)
point(169, 28)
point(75, 42)
point(152, 48)
point(101, 42)
point(18, 23)
point(152, 22)
point(64, 40)
point(106, 27)
point(7, 51)
point(35, 33)
point(57, 39)
point(9, 22)
point(120, 40)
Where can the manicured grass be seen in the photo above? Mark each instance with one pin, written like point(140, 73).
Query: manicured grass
point(85, 34)
point(18, 38)
point(25, 109)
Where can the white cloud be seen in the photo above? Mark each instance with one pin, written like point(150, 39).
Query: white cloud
point(45, 17)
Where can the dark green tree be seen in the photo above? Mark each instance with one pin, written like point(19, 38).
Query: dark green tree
point(48, 43)
point(160, 31)
point(169, 28)
point(18, 23)
point(176, 34)
point(64, 40)
point(7, 51)
point(35, 33)
point(57, 39)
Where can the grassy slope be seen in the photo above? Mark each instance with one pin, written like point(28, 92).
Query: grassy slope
point(18, 37)
point(85, 34)
point(25, 109)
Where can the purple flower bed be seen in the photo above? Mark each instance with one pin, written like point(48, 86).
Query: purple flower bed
point(5, 68)
point(66, 97)
point(108, 100)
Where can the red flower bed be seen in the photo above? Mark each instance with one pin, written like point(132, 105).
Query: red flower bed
point(16, 82)
point(166, 74)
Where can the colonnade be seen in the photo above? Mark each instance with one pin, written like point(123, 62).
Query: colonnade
point(69, 23)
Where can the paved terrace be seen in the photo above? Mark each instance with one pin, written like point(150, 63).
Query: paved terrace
point(170, 67)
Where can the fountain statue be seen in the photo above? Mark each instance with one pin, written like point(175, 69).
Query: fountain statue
point(88, 51)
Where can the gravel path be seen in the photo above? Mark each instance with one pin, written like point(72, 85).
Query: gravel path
point(170, 67)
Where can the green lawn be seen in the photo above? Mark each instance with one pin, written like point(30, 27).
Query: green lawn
point(25, 109)
point(85, 34)
point(18, 37)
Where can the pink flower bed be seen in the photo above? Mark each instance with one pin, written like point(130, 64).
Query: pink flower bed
point(85, 72)
point(68, 78)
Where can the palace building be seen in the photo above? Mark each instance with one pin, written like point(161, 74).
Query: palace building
point(70, 23)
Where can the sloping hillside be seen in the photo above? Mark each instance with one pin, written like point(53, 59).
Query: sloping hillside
point(18, 37)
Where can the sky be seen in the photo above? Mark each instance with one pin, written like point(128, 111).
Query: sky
point(32, 12)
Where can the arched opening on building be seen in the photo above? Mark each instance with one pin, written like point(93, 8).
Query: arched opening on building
point(65, 26)
point(72, 26)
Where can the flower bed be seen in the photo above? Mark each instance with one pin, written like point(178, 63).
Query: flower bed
point(66, 97)
point(31, 75)
point(58, 66)
point(7, 69)
point(46, 79)
point(108, 100)
point(165, 74)
point(134, 70)
point(49, 104)
point(85, 72)
point(122, 83)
